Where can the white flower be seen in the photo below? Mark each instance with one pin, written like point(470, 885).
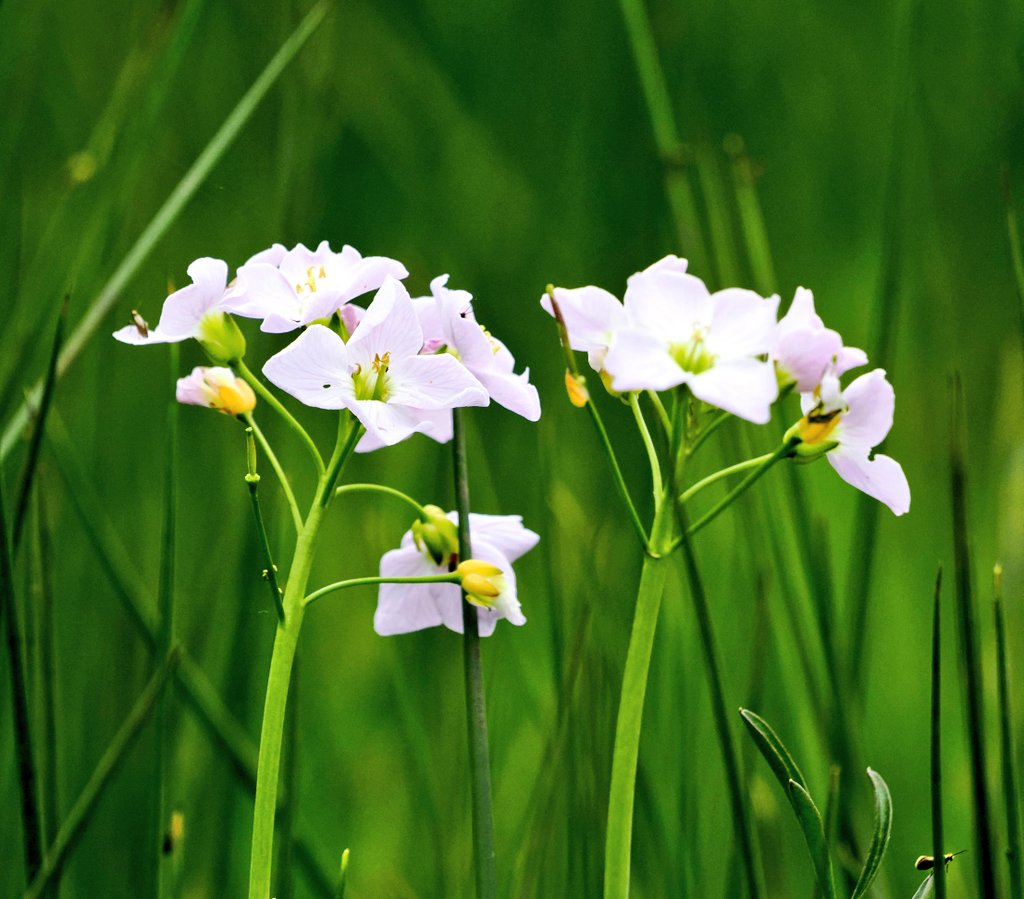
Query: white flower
point(291, 288)
point(402, 608)
point(379, 374)
point(186, 311)
point(679, 333)
point(805, 349)
point(846, 425)
point(216, 388)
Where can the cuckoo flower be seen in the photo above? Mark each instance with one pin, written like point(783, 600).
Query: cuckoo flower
point(216, 388)
point(448, 322)
point(593, 315)
point(194, 311)
point(291, 288)
point(846, 425)
point(379, 374)
point(679, 333)
point(496, 539)
point(805, 349)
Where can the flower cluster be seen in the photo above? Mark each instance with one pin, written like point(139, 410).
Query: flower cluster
point(730, 349)
point(400, 365)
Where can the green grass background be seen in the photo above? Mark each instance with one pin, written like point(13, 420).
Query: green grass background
point(509, 145)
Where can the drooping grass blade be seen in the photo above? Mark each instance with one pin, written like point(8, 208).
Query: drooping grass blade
point(880, 836)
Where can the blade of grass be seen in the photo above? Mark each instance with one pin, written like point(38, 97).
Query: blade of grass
point(39, 426)
point(880, 836)
point(1013, 233)
point(772, 748)
point(666, 135)
point(755, 234)
point(109, 764)
point(168, 212)
point(814, 834)
point(926, 888)
point(936, 739)
point(1009, 768)
point(163, 870)
point(970, 653)
point(21, 721)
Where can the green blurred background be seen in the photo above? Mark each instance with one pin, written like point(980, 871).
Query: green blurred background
point(509, 145)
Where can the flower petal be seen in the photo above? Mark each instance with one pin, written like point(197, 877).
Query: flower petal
point(871, 401)
point(433, 382)
point(505, 532)
point(590, 314)
point(745, 387)
point(743, 323)
point(184, 309)
point(880, 477)
point(668, 303)
point(315, 369)
point(403, 608)
point(388, 326)
point(639, 360)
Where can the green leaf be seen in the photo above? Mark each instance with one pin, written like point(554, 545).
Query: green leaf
point(773, 750)
point(925, 890)
point(814, 833)
point(880, 838)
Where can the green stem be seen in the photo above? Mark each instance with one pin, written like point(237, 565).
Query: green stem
point(279, 408)
point(784, 450)
point(645, 434)
point(476, 707)
point(252, 480)
point(22, 726)
point(1009, 768)
point(720, 419)
point(618, 839)
point(724, 473)
point(387, 491)
point(620, 481)
point(370, 581)
point(286, 643)
point(282, 478)
point(659, 408)
point(938, 842)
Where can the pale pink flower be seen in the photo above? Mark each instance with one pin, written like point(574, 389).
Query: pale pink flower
point(402, 608)
point(854, 421)
point(379, 375)
point(292, 288)
point(216, 388)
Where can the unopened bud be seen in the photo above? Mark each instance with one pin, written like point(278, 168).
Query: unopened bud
point(221, 338)
point(575, 386)
point(482, 582)
point(436, 536)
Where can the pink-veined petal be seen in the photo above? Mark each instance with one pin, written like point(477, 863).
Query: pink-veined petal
point(742, 324)
point(436, 424)
point(388, 326)
point(871, 401)
point(638, 360)
point(666, 264)
point(745, 387)
point(880, 477)
point(261, 291)
point(433, 382)
point(668, 303)
point(514, 392)
point(314, 368)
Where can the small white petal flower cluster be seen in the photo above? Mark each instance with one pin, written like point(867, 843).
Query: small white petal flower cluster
point(732, 352)
point(400, 365)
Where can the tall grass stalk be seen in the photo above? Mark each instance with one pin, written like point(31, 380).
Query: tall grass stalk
point(970, 653)
point(476, 706)
point(938, 842)
point(1009, 779)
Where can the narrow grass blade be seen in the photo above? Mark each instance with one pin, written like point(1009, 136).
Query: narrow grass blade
point(973, 680)
point(1013, 233)
point(755, 234)
point(339, 893)
point(162, 861)
point(938, 842)
point(1009, 767)
point(168, 212)
point(814, 834)
point(666, 135)
point(773, 750)
point(39, 425)
point(476, 710)
point(880, 836)
point(111, 761)
point(926, 888)
point(22, 724)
